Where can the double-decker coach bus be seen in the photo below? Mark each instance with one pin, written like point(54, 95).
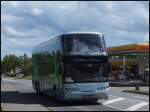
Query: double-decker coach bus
point(72, 66)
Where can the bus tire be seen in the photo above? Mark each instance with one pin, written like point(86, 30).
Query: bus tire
point(37, 87)
point(94, 100)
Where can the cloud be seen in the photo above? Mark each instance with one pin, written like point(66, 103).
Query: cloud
point(37, 11)
point(28, 23)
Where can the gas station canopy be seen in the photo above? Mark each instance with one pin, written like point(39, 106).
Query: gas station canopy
point(129, 48)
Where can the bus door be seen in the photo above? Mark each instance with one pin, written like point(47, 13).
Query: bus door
point(58, 69)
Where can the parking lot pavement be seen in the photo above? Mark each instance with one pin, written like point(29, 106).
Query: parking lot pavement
point(19, 95)
point(128, 88)
point(125, 103)
point(124, 83)
point(10, 98)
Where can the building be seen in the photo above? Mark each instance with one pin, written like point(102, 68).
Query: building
point(129, 61)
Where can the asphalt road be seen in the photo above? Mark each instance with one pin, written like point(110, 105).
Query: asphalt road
point(19, 95)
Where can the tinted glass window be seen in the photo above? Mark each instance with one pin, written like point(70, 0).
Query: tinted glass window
point(83, 44)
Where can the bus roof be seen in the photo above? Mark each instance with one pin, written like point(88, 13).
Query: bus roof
point(67, 34)
point(83, 33)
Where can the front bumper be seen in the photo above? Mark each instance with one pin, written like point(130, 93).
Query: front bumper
point(85, 95)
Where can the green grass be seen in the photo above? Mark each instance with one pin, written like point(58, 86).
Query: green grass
point(138, 92)
point(28, 77)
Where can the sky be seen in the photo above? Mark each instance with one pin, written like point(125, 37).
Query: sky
point(25, 24)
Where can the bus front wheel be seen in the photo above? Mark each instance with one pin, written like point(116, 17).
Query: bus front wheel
point(94, 100)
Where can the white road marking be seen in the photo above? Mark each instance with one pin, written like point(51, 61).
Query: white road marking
point(132, 108)
point(140, 97)
point(112, 101)
point(137, 106)
point(115, 107)
point(82, 108)
point(129, 98)
point(113, 95)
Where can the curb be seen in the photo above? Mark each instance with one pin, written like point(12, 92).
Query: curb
point(128, 84)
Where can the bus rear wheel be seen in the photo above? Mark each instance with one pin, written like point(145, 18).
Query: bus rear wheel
point(37, 88)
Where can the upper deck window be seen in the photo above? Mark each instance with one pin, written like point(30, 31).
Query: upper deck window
point(84, 44)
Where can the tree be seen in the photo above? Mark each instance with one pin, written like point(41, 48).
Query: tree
point(25, 64)
point(9, 62)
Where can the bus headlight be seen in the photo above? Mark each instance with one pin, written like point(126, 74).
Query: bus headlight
point(102, 88)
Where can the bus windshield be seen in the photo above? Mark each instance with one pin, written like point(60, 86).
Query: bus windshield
point(84, 44)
